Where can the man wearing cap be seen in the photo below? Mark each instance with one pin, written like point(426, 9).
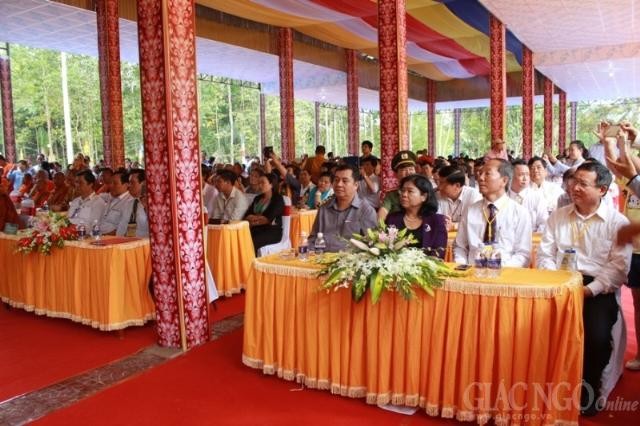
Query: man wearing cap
point(403, 164)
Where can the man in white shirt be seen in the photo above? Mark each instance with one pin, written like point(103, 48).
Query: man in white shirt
point(550, 191)
point(589, 226)
point(88, 207)
point(369, 186)
point(557, 168)
point(496, 219)
point(454, 197)
point(230, 203)
point(117, 216)
point(527, 197)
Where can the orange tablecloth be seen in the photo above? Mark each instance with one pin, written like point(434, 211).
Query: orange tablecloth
point(536, 238)
point(230, 253)
point(456, 354)
point(301, 220)
point(105, 287)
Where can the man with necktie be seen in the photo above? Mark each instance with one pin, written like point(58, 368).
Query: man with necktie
point(496, 220)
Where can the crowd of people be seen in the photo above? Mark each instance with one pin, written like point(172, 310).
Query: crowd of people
point(581, 200)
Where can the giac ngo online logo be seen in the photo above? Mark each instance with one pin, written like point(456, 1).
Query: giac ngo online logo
point(533, 401)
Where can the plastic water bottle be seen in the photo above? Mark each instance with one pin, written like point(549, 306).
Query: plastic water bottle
point(494, 263)
point(321, 244)
point(303, 247)
point(95, 230)
point(27, 207)
point(480, 263)
point(82, 231)
point(568, 262)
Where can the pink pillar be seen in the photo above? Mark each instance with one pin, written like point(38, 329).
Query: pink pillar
point(548, 114)
point(562, 118)
point(353, 109)
point(287, 107)
point(457, 121)
point(573, 119)
point(392, 33)
point(7, 108)
point(498, 78)
point(110, 85)
point(527, 102)
point(431, 117)
point(166, 34)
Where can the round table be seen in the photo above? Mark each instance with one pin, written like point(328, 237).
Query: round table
point(301, 221)
point(230, 253)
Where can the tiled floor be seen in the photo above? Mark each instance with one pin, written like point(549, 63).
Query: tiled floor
point(33, 405)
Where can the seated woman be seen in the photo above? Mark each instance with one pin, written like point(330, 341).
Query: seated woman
point(265, 212)
point(321, 193)
point(418, 213)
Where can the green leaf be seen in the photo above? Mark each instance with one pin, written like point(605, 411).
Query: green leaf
point(376, 283)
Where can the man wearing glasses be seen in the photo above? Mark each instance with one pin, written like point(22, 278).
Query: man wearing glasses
point(589, 226)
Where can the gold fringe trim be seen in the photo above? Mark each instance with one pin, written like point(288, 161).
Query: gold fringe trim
point(76, 318)
point(236, 290)
point(86, 243)
point(237, 225)
point(285, 270)
point(510, 289)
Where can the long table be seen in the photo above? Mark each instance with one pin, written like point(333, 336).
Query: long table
point(457, 354)
point(105, 287)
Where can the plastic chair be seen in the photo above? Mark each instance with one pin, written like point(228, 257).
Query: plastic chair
point(285, 241)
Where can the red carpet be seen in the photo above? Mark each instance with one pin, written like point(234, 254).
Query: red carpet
point(37, 351)
point(211, 386)
point(226, 306)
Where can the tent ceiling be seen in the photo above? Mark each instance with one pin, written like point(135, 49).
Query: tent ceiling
point(589, 48)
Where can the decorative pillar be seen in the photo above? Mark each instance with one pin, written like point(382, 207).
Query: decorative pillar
point(498, 78)
point(7, 105)
point(431, 117)
point(110, 85)
point(573, 133)
point(392, 33)
point(263, 122)
point(528, 84)
point(548, 114)
point(287, 107)
point(316, 117)
point(166, 35)
point(457, 117)
point(353, 109)
point(562, 119)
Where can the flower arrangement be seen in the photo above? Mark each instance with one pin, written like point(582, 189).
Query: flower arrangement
point(383, 260)
point(48, 231)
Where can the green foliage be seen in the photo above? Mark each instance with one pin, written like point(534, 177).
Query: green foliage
point(229, 116)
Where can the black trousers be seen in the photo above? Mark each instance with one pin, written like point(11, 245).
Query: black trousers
point(599, 315)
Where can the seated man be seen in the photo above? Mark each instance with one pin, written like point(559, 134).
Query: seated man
point(230, 203)
point(589, 226)
point(88, 207)
point(403, 164)
point(116, 218)
point(549, 190)
point(527, 197)
point(496, 219)
point(345, 214)
point(369, 186)
point(454, 197)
